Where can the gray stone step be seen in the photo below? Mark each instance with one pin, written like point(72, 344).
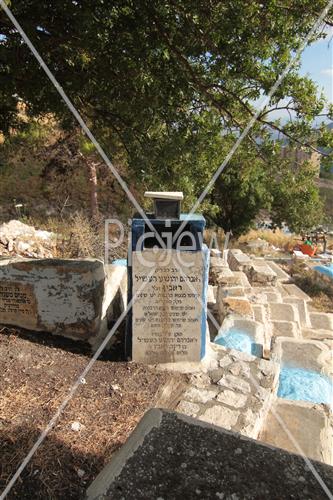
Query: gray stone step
point(280, 273)
point(302, 353)
point(302, 307)
point(294, 291)
point(322, 321)
point(282, 328)
point(317, 334)
point(278, 311)
point(309, 426)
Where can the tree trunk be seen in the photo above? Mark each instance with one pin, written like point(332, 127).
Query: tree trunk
point(92, 171)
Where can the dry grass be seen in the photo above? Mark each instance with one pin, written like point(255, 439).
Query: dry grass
point(78, 236)
point(318, 286)
point(276, 238)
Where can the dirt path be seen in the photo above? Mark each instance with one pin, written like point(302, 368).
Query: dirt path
point(35, 378)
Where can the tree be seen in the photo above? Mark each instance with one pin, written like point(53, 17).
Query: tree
point(158, 80)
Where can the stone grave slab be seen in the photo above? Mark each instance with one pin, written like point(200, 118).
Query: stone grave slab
point(170, 456)
point(53, 295)
point(309, 425)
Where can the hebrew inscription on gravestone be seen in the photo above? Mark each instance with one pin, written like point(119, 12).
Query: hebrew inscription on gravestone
point(17, 300)
point(167, 308)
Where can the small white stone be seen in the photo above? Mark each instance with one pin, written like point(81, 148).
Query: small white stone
point(189, 409)
point(76, 426)
point(235, 383)
point(80, 472)
point(225, 361)
point(238, 451)
point(115, 387)
point(197, 395)
point(232, 398)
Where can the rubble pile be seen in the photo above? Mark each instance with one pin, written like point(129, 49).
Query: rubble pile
point(17, 238)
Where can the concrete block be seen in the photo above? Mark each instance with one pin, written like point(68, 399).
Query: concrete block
point(283, 312)
point(238, 260)
point(294, 291)
point(302, 307)
point(59, 296)
point(285, 329)
point(298, 353)
point(260, 274)
point(225, 277)
point(169, 455)
point(214, 252)
point(211, 294)
point(309, 425)
point(230, 291)
point(317, 334)
point(273, 297)
point(322, 321)
point(282, 276)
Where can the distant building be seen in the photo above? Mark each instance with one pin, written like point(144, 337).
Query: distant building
point(298, 156)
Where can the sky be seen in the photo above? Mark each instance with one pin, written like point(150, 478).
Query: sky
point(317, 62)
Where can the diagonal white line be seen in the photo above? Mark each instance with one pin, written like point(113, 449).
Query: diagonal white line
point(245, 132)
point(70, 395)
point(80, 120)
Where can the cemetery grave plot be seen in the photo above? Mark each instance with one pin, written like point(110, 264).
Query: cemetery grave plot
point(35, 379)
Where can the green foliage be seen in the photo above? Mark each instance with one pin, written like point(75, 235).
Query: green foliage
point(167, 87)
point(296, 199)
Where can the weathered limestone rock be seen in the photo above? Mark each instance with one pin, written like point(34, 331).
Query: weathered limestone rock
point(260, 274)
point(236, 306)
point(232, 398)
point(53, 295)
point(238, 260)
point(282, 276)
point(197, 395)
point(235, 383)
point(220, 415)
point(308, 423)
point(189, 409)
